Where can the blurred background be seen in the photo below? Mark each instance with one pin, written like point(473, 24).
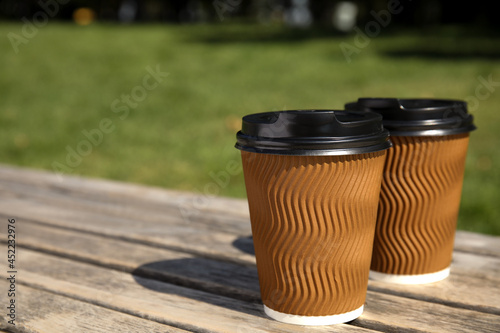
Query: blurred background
point(153, 91)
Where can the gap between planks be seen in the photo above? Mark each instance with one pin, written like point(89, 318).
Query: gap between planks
point(234, 280)
point(176, 245)
point(43, 311)
point(152, 299)
point(111, 190)
point(166, 204)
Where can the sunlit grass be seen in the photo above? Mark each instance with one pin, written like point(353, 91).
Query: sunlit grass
point(65, 79)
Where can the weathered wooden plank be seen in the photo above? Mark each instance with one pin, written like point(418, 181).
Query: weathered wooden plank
point(183, 237)
point(41, 311)
point(153, 224)
point(470, 273)
point(156, 213)
point(170, 304)
point(129, 200)
point(458, 290)
point(149, 299)
point(397, 314)
point(108, 189)
point(477, 243)
point(225, 278)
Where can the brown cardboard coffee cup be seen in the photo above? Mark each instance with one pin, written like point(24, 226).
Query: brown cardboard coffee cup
point(313, 202)
point(421, 188)
point(418, 209)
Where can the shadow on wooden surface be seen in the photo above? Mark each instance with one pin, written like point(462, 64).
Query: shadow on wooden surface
point(219, 278)
point(244, 244)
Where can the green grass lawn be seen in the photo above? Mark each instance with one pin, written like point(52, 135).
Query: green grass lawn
point(180, 134)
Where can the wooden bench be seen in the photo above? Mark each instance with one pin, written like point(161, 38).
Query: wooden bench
point(103, 256)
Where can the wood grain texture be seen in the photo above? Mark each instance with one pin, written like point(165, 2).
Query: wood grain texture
point(118, 221)
point(458, 290)
point(399, 314)
point(127, 193)
point(240, 281)
point(142, 227)
point(120, 196)
point(203, 265)
point(220, 277)
point(170, 212)
point(193, 310)
point(476, 243)
point(45, 312)
point(156, 301)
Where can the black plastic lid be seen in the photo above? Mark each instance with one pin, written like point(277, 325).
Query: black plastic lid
point(313, 132)
point(419, 117)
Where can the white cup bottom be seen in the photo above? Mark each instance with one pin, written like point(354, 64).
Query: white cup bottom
point(410, 279)
point(313, 320)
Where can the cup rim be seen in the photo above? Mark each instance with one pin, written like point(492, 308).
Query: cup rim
point(313, 132)
point(419, 116)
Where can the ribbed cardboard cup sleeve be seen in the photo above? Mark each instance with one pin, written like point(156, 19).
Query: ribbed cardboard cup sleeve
point(313, 222)
point(419, 203)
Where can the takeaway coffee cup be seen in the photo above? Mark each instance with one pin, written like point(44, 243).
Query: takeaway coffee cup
point(421, 187)
point(313, 181)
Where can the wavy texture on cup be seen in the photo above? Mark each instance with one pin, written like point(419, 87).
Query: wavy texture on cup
point(313, 222)
point(419, 204)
